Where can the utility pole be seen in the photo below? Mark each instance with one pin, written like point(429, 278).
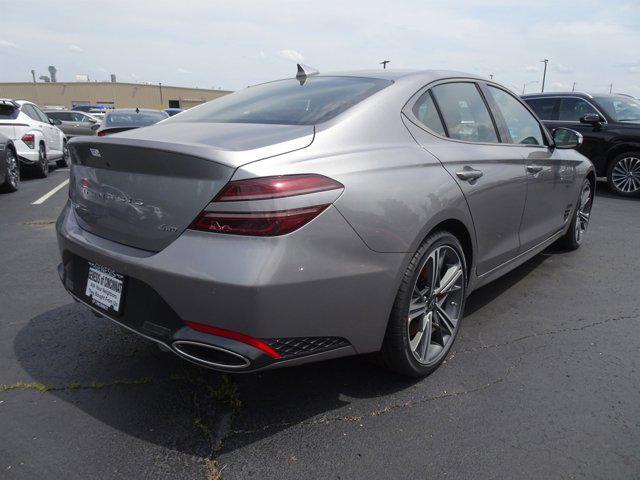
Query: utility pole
point(384, 64)
point(573, 89)
point(610, 88)
point(161, 104)
point(33, 75)
point(544, 74)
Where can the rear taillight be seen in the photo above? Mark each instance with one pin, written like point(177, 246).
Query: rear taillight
point(29, 139)
point(266, 223)
point(101, 134)
point(275, 187)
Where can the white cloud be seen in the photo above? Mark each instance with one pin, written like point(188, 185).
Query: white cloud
point(290, 54)
point(75, 48)
point(183, 70)
point(560, 68)
point(7, 43)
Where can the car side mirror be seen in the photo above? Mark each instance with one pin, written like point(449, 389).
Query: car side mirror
point(55, 121)
point(95, 126)
point(591, 119)
point(565, 138)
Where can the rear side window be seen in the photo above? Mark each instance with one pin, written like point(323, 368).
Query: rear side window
point(465, 113)
point(521, 125)
point(573, 109)
point(425, 111)
point(30, 112)
point(64, 116)
point(545, 108)
point(131, 118)
point(287, 102)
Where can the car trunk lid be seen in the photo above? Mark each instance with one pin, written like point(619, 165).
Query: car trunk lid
point(144, 190)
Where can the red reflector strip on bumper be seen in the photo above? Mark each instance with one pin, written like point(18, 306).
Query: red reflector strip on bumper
point(240, 337)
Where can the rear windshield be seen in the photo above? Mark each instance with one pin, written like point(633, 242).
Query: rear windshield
point(133, 119)
point(287, 102)
point(8, 112)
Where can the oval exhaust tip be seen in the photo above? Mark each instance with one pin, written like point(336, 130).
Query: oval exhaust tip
point(210, 355)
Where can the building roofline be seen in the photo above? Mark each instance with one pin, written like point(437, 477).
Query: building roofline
point(111, 83)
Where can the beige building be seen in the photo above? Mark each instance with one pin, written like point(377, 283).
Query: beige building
point(117, 95)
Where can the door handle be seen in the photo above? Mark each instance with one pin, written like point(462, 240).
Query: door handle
point(469, 174)
point(534, 169)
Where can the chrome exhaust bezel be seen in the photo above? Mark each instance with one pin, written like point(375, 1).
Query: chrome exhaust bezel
point(176, 348)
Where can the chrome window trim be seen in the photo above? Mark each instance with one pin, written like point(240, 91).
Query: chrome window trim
point(407, 111)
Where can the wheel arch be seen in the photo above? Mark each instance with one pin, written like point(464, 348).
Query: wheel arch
point(619, 149)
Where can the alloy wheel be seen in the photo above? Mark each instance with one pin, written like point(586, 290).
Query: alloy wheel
point(13, 169)
point(584, 212)
point(626, 175)
point(44, 162)
point(436, 303)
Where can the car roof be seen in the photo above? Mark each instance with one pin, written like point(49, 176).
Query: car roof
point(132, 110)
point(574, 94)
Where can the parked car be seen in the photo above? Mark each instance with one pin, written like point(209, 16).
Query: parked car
point(317, 217)
point(36, 137)
point(97, 114)
point(73, 123)
point(123, 119)
point(9, 168)
point(610, 125)
point(87, 108)
point(173, 111)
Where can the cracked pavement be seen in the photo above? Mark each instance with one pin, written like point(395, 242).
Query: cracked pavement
point(543, 382)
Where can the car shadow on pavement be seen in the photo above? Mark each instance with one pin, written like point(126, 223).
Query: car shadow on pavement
point(603, 190)
point(127, 383)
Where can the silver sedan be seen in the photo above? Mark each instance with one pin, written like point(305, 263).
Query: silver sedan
point(319, 216)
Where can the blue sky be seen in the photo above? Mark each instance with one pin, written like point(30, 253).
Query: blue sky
point(231, 44)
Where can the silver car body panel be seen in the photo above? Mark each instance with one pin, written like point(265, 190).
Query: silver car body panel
point(339, 274)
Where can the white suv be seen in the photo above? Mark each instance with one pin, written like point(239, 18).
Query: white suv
point(37, 139)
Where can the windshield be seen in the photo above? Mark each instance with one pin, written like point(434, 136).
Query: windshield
point(621, 109)
point(133, 119)
point(287, 102)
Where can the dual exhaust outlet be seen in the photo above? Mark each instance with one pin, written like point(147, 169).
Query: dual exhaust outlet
point(210, 355)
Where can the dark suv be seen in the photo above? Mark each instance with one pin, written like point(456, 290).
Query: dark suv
point(610, 125)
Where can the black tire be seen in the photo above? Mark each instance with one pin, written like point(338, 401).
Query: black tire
point(396, 353)
point(12, 180)
point(64, 161)
point(574, 236)
point(42, 167)
point(615, 179)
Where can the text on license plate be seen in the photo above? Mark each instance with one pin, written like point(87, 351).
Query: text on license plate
point(104, 287)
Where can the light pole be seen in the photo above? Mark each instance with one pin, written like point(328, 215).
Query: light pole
point(528, 83)
point(544, 74)
point(161, 104)
point(384, 64)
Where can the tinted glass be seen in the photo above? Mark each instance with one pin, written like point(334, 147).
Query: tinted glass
point(572, 109)
point(621, 109)
point(287, 102)
point(64, 116)
point(465, 112)
point(8, 112)
point(545, 108)
point(425, 111)
point(132, 119)
point(522, 126)
point(30, 112)
point(41, 115)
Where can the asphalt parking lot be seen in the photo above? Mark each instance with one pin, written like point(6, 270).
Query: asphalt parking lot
point(543, 382)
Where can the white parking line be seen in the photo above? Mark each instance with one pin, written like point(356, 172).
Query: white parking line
point(46, 196)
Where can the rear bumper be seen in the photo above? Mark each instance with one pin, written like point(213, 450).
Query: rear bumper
point(315, 294)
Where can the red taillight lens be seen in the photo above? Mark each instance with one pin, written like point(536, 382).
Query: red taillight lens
point(265, 223)
point(275, 187)
point(101, 134)
point(29, 139)
point(241, 337)
point(262, 224)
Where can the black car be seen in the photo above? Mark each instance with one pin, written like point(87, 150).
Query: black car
point(610, 125)
point(9, 168)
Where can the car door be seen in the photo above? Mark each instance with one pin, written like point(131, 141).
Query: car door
point(452, 121)
point(83, 124)
point(53, 138)
point(550, 174)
